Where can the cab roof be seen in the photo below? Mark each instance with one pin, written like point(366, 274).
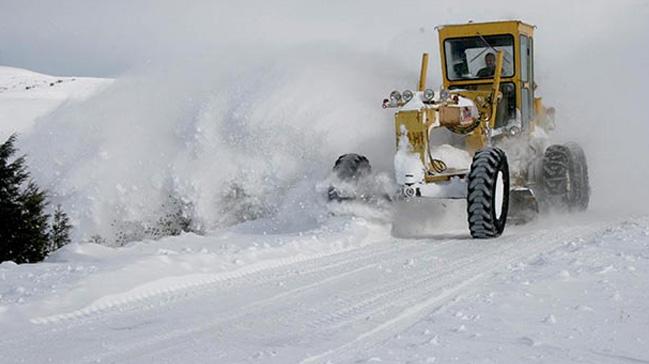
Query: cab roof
point(492, 27)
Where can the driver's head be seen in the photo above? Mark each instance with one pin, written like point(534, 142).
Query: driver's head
point(490, 60)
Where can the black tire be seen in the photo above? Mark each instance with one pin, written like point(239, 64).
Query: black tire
point(352, 166)
point(565, 178)
point(488, 193)
point(580, 182)
point(349, 167)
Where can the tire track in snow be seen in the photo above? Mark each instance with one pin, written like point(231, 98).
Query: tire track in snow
point(350, 267)
point(315, 269)
point(299, 309)
point(303, 267)
point(429, 301)
point(359, 302)
point(289, 316)
point(178, 285)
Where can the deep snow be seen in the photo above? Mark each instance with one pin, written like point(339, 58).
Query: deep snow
point(344, 292)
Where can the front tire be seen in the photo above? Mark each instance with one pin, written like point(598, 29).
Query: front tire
point(349, 168)
point(488, 193)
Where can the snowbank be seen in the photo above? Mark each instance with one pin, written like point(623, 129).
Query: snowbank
point(85, 279)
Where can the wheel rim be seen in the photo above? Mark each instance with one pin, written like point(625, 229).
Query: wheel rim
point(499, 195)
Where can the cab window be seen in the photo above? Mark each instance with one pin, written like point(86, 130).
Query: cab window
point(474, 57)
point(525, 58)
point(527, 77)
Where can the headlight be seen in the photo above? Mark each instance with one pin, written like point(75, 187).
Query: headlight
point(407, 95)
point(409, 192)
point(443, 95)
point(514, 130)
point(429, 94)
point(395, 95)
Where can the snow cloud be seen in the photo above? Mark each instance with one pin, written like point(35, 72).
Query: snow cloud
point(264, 94)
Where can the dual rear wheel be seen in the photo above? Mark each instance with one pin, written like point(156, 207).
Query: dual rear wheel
point(565, 183)
point(564, 186)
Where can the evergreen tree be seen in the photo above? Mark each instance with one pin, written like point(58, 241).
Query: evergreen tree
point(25, 234)
point(60, 231)
point(33, 237)
point(12, 176)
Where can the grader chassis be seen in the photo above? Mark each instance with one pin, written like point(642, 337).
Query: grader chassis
point(487, 109)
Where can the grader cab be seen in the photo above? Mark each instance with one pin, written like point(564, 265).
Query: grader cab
point(469, 56)
point(483, 135)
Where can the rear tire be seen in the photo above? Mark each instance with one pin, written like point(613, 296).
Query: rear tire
point(565, 178)
point(488, 193)
point(581, 182)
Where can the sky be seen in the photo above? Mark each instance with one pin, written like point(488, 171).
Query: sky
point(106, 38)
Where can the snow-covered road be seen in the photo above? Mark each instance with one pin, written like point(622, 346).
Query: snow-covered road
point(375, 298)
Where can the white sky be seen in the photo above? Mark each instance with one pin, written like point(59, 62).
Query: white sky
point(97, 38)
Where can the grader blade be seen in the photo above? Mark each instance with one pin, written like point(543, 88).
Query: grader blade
point(523, 205)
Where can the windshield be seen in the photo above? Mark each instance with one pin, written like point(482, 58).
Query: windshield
point(475, 57)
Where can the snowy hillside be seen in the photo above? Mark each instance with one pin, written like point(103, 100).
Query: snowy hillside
point(301, 285)
point(26, 95)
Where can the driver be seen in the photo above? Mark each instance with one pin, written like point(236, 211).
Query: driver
point(490, 66)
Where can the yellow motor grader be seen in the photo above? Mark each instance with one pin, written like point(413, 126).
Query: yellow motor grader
point(481, 137)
